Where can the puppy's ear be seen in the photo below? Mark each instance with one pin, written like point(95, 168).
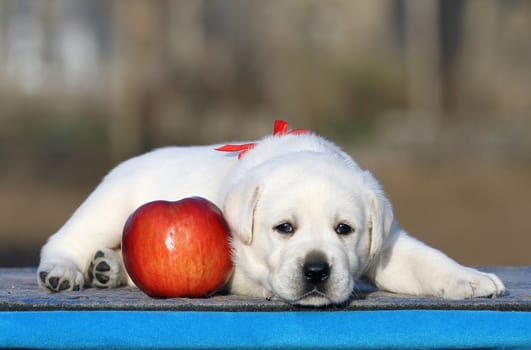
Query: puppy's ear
point(238, 208)
point(380, 215)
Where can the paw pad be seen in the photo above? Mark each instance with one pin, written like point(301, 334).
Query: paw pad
point(59, 279)
point(105, 270)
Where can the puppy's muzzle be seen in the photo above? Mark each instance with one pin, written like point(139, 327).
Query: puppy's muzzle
point(316, 268)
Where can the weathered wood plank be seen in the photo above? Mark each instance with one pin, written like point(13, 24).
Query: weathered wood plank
point(19, 292)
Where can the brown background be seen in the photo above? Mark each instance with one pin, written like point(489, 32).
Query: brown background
point(431, 96)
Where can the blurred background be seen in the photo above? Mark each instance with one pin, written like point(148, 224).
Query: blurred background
point(434, 97)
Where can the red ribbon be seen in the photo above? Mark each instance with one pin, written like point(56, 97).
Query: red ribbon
point(280, 128)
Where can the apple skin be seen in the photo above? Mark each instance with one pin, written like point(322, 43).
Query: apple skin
point(177, 249)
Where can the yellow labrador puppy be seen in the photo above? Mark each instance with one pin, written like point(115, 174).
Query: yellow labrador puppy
point(306, 223)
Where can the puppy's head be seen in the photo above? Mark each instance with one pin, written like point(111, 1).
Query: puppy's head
point(305, 226)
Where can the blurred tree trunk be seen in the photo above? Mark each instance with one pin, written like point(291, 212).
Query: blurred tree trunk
point(136, 75)
point(422, 61)
point(478, 66)
point(451, 32)
point(3, 29)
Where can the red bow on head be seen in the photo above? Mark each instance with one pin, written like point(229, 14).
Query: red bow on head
point(280, 128)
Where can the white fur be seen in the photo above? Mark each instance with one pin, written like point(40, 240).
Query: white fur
point(303, 180)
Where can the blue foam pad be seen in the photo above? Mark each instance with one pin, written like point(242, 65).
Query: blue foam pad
point(407, 329)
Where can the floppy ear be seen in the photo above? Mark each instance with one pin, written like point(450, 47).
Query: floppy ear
point(238, 209)
point(380, 216)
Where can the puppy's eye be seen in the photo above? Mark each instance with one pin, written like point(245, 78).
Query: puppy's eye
point(344, 229)
point(285, 227)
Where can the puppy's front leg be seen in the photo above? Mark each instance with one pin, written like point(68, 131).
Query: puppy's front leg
point(406, 265)
point(96, 224)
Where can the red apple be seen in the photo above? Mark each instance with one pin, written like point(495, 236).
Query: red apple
point(177, 249)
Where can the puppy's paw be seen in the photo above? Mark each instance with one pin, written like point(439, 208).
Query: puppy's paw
point(58, 277)
point(471, 283)
point(106, 270)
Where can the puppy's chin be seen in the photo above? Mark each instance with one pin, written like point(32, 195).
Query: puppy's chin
point(313, 300)
point(314, 297)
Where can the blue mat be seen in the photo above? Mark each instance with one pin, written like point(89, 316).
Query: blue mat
point(279, 330)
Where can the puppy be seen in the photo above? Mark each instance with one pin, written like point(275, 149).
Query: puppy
point(306, 223)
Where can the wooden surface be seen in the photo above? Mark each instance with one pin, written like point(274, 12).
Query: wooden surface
point(19, 292)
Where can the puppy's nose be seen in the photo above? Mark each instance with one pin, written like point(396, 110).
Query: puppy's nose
point(316, 269)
